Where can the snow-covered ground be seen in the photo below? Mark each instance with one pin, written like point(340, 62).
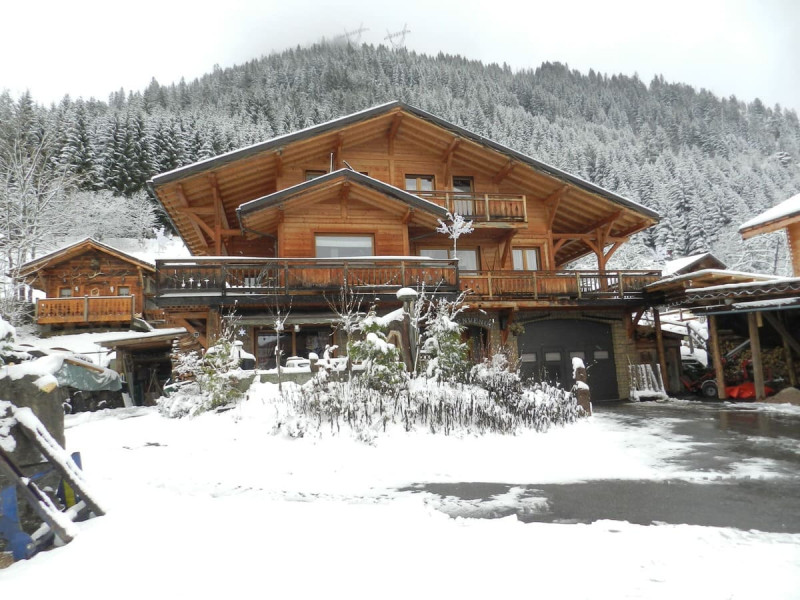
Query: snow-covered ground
point(217, 505)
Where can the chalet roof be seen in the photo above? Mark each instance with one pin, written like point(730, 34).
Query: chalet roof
point(77, 248)
point(778, 217)
point(578, 207)
point(276, 142)
point(329, 180)
point(689, 264)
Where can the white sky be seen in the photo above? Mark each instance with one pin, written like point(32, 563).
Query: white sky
point(750, 48)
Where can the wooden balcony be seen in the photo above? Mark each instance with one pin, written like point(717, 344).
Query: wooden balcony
point(548, 285)
point(251, 280)
point(180, 281)
point(481, 208)
point(88, 309)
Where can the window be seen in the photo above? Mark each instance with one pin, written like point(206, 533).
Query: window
point(465, 205)
point(467, 257)
point(123, 290)
point(314, 174)
point(65, 292)
point(420, 183)
point(525, 259)
point(336, 246)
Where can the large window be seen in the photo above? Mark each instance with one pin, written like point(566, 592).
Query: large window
point(420, 183)
point(65, 292)
point(525, 259)
point(467, 257)
point(335, 246)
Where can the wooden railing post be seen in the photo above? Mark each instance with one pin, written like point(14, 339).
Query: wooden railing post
point(535, 287)
point(402, 273)
point(578, 283)
point(486, 203)
point(525, 209)
point(619, 279)
point(85, 308)
point(133, 307)
point(223, 275)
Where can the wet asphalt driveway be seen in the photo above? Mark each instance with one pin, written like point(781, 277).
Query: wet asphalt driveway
point(719, 437)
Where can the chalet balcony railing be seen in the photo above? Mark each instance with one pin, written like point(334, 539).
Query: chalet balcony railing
point(285, 276)
point(547, 285)
point(486, 208)
point(203, 277)
point(86, 309)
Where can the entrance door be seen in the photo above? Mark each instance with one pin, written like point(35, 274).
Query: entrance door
point(548, 347)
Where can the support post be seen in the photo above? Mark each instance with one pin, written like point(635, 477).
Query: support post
point(716, 356)
point(662, 357)
point(755, 348)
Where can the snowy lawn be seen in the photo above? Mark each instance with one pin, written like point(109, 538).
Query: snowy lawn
point(217, 505)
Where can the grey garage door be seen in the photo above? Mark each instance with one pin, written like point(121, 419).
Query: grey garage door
point(546, 349)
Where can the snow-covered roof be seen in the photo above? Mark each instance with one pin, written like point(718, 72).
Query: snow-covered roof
point(681, 265)
point(88, 242)
point(787, 209)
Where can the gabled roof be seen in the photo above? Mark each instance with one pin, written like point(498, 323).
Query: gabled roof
point(688, 264)
point(334, 180)
point(277, 142)
point(778, 217)
point(75, 249)
point(190, 194)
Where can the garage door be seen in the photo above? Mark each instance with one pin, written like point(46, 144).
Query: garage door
point(546, 349)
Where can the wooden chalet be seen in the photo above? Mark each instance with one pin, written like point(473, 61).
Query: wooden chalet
point(284, 223)
point(89, 284)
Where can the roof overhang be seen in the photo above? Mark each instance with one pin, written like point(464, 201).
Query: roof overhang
point(87, 244)
point(577, 207)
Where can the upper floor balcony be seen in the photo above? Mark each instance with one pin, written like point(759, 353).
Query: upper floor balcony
point(259, 280)
point(480, 208)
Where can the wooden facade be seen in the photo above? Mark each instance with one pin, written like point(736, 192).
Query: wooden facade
point(270, 225)
point(89, 284)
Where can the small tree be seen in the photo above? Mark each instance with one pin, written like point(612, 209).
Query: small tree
point(383, 369)
point(446, 354)
point(457, 227)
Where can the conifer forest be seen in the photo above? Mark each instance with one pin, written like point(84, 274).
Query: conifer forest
point(705, 163)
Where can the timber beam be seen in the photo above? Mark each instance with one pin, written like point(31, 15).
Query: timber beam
point(504, 172)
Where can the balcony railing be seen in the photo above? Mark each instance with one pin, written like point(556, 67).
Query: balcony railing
point(203, 277)
point(546, 285)
point(86, 309)
point(285, 276)
point(482, 208)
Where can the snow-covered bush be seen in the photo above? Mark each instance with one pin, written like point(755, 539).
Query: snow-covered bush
point(214, 377)
point(381, 361)
point(497, 376)
point(438, 407)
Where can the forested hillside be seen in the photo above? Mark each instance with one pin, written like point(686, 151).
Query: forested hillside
point(705, 163)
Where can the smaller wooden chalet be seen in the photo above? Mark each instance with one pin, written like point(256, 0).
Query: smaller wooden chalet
point(785, 215)
point(89, 284)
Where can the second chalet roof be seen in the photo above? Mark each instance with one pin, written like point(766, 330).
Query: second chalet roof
point(76, 248)
point(335, 179)
point(229, 180)
point(778, 217)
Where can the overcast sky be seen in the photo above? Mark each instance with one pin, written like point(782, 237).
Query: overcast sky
point(90, 48)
